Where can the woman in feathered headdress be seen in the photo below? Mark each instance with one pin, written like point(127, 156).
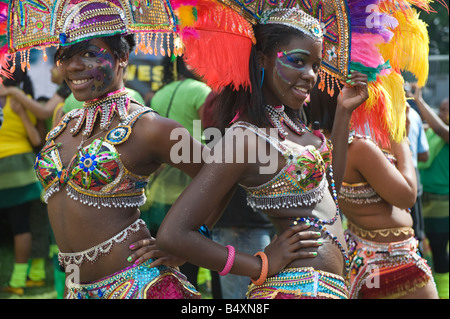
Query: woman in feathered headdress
point(263, 75)
point(96, 161)
point(380, 185)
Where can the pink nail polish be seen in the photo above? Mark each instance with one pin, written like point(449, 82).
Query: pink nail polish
point(131, 246)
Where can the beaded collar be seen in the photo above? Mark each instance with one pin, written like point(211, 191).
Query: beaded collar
point(277, 116)
point(106, 106)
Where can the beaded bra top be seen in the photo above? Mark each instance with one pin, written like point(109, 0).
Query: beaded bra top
point(362, 193)
point(96, 175)
point(301, 182)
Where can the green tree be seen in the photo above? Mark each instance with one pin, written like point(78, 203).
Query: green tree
point(438, 27)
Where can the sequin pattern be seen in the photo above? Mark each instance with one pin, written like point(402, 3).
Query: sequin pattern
point(95, 176)
point(300, 283)
point(384, 270)
point(301, 182)
point(137, 282)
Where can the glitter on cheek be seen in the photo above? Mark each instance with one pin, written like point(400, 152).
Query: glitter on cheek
point(280, 72)
point(103, 73)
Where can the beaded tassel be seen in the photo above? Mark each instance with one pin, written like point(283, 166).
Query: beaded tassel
point(99, 202)
point(115, 102)
point(277, 117)
point(321, 224)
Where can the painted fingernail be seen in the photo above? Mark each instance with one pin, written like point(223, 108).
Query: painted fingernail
point(320, 243)
point(131, 246)
point(129, 259)
point(314, 254)
point(348, 81)
point(136, 262)
point(318, 234)
point(352, 83)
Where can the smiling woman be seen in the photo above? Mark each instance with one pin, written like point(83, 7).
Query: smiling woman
point(98, 64)
point(96, 163)
point(283, 67)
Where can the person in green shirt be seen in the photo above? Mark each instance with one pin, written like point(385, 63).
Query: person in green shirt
point(181, 98)
point(434, 175)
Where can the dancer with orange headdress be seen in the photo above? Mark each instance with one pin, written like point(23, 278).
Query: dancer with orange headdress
point(97, 160)
point(263, 74)
point(264, 59)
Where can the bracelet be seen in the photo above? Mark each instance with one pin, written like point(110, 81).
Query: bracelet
point(264, 269)
point(230, 261)
point(204, 230)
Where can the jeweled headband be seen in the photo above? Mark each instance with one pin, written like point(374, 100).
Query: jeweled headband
point(294, 18)
point(88, 19)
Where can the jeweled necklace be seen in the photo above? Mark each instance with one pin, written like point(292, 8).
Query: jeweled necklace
point(114, 102)
point(277, 116)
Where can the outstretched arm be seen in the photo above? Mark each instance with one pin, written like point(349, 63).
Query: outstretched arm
point(433, 120)
point(39, 110)
point(33, 134)
point(179, 234)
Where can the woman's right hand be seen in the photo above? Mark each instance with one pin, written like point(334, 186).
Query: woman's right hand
point(145, 249)
point(288, 247)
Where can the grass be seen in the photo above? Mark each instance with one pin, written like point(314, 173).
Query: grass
point(46, 292)
point(6, 265)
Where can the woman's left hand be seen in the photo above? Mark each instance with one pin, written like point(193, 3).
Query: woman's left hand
point(355, 92)
point(145, 249)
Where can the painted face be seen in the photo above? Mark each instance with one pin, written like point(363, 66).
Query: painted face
point(294, 72)
point(92, 72)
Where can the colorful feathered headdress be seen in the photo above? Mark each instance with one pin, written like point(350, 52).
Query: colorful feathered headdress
point(42, 23)
point(380, 38)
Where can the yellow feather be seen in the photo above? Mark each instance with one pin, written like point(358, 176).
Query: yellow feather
point(186, 16)
point(409, 48)
point(393, 84)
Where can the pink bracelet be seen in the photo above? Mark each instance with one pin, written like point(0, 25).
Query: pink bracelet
point(230, 261)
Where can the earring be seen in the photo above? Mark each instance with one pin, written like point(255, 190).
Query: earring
point(262, 77)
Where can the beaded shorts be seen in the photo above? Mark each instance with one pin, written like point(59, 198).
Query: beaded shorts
point(385, 270)
point(300, 283)
point(137, 282)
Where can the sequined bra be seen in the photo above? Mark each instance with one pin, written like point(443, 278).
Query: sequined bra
point(301, 182)
point(362, 193)
point(96, 175)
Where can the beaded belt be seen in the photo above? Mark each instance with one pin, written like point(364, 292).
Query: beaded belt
point(364, 233)
point(92, 254)
point(137, 282)
point(384, 270)
point(300, 283)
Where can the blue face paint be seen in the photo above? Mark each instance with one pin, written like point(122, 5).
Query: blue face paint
point(294, 59)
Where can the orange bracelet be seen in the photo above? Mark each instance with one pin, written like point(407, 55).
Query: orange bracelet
point(264, 269)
